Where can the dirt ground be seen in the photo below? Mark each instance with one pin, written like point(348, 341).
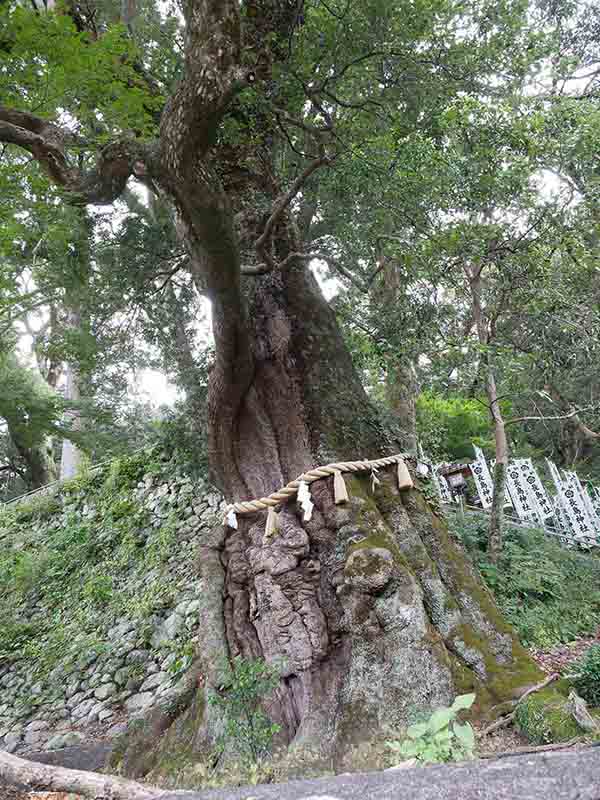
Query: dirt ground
point(561, 657)
point(501, 741)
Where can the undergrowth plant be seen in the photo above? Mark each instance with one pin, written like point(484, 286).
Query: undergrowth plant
point(549, 593)
point(245, 683)
point(73, 564)
point(587, 680)
point(441, 738)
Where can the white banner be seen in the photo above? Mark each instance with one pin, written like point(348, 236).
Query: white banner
point(483, 479)
point(536, 487)
point(521, 494)
point(596, 501)
point(587, 525)
point(573, 506)
point(561, 523)
point(573, 479)
point(442, 485)
point(554, 472)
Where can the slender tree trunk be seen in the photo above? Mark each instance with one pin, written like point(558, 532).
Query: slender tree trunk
point(401, 387)
point(75, 324)
point(496, 529)
point(402, 390)
point(496, 526)
point(53, 367)
point(70, 454)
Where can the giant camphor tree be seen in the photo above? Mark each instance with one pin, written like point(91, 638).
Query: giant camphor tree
point(372, 610)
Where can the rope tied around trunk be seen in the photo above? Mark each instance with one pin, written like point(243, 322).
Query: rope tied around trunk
point(292, 488)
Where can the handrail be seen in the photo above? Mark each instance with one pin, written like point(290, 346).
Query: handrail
point(59, 481)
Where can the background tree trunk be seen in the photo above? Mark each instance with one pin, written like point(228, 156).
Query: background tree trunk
point(496, 526)
point(76, 324)
point(70, 453)
point(402, 390)
point(496, 529)
point(41, 469)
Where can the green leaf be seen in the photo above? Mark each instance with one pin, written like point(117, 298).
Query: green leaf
point(440, 719)
point(410, 749)
point(464, 734)
point(395, 745)
point(463, 701)
point(415, 731)
point(431, 753)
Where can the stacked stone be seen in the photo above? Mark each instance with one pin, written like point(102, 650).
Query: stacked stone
point(136, 666)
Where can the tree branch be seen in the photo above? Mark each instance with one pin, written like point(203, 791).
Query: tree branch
point(17, 770)
point(280, 205)
point(574, 413)
point(47, 143)
point(506, 720)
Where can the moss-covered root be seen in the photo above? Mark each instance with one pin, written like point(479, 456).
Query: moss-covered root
point(544, 718)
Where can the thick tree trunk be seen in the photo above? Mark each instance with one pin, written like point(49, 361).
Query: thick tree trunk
point(41, 469)
point(300, 402)
point(371, 610)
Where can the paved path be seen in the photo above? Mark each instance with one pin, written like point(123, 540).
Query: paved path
point(573, 775)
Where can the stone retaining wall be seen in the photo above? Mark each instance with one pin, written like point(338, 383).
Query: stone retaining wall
point(134, 660)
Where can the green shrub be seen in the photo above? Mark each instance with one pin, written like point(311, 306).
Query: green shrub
point(448, 425)
point(178, 435)
point(125, 472)
point(184, 655)
point(245, 683)
point(37, 507)
point(19, 572)
point(441, 738)
point(66, 579)
point(160, 544)
point(14, 636)
point(550, 594)
point(587, 681)
point(98, 589)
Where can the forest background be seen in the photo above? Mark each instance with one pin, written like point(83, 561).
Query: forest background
point(453, 223)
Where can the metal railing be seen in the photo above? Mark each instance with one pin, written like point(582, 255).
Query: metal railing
point(513, 519)
point(55, 485)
